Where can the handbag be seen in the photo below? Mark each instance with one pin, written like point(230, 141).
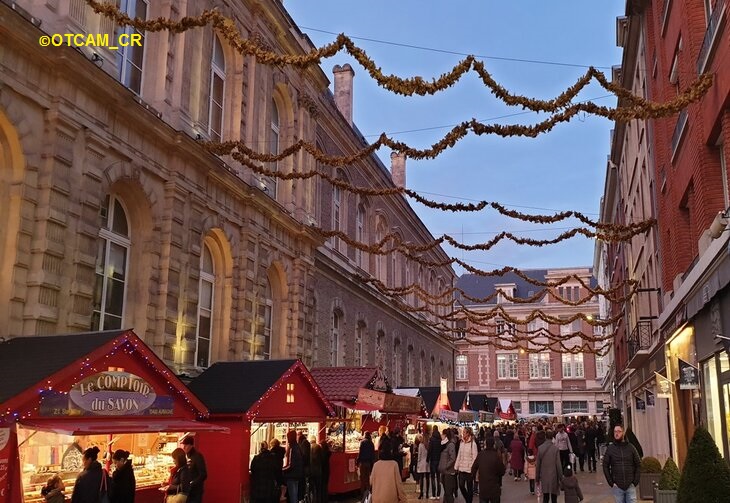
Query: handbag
point(178, 497)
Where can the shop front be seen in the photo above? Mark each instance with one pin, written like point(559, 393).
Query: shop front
point(60, 395)
point(258, 401)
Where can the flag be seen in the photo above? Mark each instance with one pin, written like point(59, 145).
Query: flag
point(649, 398)
point(689, 376)
point(663, 386)
point(640, 404)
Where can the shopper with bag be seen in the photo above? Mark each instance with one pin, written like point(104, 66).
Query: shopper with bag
point(124, 483)
point(178, 487)
point(198, 471)
point(92, 484)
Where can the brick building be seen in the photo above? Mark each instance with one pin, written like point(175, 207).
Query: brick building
point(689, 152)
point(115, 216)
point(543, 383)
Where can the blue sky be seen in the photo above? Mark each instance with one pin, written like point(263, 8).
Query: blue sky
point(561, 170)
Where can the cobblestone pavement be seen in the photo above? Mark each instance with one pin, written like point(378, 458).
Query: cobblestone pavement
point(593, 486)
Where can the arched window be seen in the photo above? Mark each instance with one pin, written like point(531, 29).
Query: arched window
point(206, 299)
point(315, 333)
point(336, 214)
point(432, 372)
point(111, 266)
point(360, 344)
point(408, 298)
point(270, 182)
point(335, 335)
point(380, 264)
point(423, 368)
point(130, 58)
point(264, 324)
point(409, 366)
point(216, 92)
point(360, 234)
point(396, 363)
point(379, 350)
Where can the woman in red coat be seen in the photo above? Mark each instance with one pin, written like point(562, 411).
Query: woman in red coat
point(517, 458)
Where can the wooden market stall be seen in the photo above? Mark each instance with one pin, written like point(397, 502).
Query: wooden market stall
point(257, 401)
point(364, 401)
point(60, 395)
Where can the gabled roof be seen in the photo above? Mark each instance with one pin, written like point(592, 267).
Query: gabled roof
point(343, 383)
point(234, 387)
point(456, 399)
point(477, 401)
point(53, 354)
point(430, 396)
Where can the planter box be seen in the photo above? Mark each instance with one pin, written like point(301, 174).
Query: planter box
point(665, 496)
point(646, 485)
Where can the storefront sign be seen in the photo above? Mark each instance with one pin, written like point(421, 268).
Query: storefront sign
point(486, 417)
point(649, 398)
point(371, 398)
point(448, 415)
point(402, 404)
point(689, 376)
point(640, 404)
point(468, 416)
point(663, 386)
point(110, 393)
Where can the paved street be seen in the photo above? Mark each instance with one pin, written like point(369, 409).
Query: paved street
point(593, 486)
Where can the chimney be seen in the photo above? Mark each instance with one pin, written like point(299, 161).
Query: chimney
point(398, 168)
point(343, 89)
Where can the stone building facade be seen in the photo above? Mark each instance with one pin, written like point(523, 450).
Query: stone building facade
point(116, 216)
point(543, 383)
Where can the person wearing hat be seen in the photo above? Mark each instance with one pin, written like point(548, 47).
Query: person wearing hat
point(198, 472)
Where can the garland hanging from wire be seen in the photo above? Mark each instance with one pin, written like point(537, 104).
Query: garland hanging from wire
point(417, 85)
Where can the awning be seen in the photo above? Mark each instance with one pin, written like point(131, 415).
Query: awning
point(355, 406)
point(100, 426)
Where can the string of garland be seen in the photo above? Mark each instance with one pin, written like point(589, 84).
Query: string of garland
point(417, 85)
point(449, 294)
point(608, 228)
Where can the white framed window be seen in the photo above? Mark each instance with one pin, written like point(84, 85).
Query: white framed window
point(335, 339)
point(539, 365)
point(336, 214)
point(206, 299)
point(359, 338)
point(264, 323)
point(507, 366)
point(360, 235)
point(396, 364)
point(216, 92)
point(462, 368)
point(537, 325)
point(573, 366)
point(409, 366)
point(499, 326)
point(271, 183)
point(130, 58)
point(111, 266)
point(600, 367)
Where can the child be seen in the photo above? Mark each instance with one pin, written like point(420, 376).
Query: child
point(52, 492)
point(530, 467)
point(570, 486)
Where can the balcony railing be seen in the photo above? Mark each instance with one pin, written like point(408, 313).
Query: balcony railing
point(639, 340)
point(679, 131)
point(713, 27)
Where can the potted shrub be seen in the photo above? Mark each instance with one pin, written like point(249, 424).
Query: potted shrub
point(651, 470)
point(706, 475)
point(666, 491)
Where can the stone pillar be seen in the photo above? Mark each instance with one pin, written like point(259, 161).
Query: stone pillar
point(398, 168)
point(343, 90)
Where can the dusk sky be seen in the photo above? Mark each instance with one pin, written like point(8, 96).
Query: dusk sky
point(560, 170)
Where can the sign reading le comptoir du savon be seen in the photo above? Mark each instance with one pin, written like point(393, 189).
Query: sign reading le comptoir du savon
point(109, 393)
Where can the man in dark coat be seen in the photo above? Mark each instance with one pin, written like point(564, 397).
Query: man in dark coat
point(198, 472)
point(621, 466)
point(591, 438)
point(491, 470)
point(264, 483)
point(306, 450)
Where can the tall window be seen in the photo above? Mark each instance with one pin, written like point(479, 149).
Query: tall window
point(537, 325)
point(205, 308)
point(264, 322)
point(500, 327)
point(600, 367)
point(111, 266)
point(359, 337)
point(409, 366)
point(380, 264)
point(379, 356)
point(507, 366)
point(360, 234)
point(573, 365)
point(423, 369)
point(432, 378)
point(396, 363)
point(539, 365)
point(335, 339)
point(271, 182)
point(461, 368)
point(130, 58)
point(336, 214)
point(542, 407)
point(217, 85)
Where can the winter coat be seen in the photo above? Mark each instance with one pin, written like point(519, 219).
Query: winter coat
point(180, 481)
point(198, 473)
point(549, 470)
point(562, 440)
point(580, 436)
point(386, 484)
point(315, 460)
point(621, 465)
point(491, 469)
point(367, 452)
point(530, 467)
point(466, 456)
point(294, 469)
point(540, 438)
point(264, 484)
point(448, 459)
point(570, 486)
point(517, 460)
point(124, 484)
point(591, 436)
point(88, 483)
point(573, 442)
point(422, 466)
point(52, 495)
point(434, 452)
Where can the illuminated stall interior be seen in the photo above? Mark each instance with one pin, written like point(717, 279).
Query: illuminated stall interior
point(685, 403)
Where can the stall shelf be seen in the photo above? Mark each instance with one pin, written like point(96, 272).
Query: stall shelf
point(62, 394)
point(257, 401)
